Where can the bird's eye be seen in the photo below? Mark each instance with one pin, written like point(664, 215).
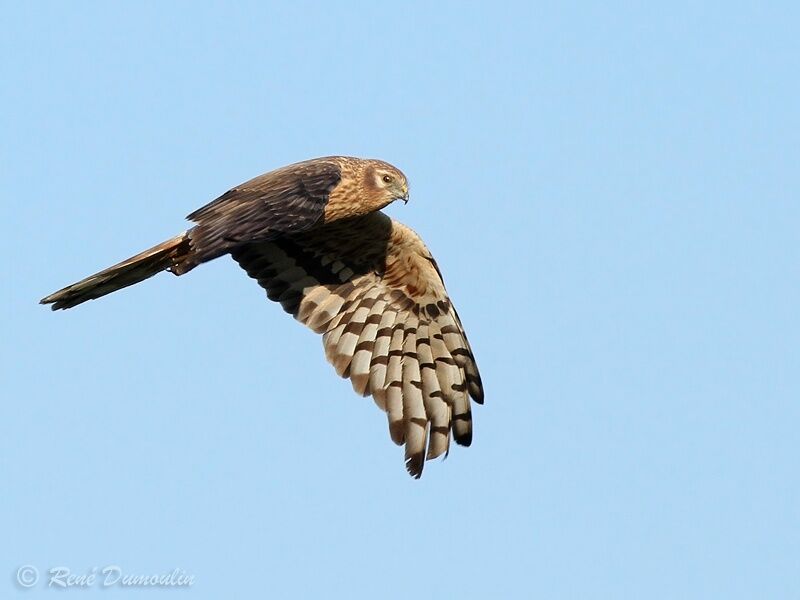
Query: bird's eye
point(387, 179)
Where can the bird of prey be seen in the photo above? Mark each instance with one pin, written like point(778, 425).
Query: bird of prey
point(313, 235)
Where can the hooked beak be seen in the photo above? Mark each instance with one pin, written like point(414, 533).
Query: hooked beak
point(404, 197)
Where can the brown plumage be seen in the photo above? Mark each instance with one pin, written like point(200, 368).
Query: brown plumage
point(313, 236)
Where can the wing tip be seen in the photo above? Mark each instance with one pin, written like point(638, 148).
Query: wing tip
point(415, 464)
point(463, 435)
point(476, 392)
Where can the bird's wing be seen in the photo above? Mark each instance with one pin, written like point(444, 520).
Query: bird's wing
point(288, 200)
point(371, 287)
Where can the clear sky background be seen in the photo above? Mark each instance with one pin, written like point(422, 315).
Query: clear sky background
point(611, 191)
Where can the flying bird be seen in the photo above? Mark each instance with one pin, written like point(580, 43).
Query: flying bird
point(313, 235)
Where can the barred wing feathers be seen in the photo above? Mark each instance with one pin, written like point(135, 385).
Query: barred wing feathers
point(371, 287)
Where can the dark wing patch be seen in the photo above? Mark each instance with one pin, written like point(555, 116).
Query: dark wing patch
point(369, 286)
point(285, 201)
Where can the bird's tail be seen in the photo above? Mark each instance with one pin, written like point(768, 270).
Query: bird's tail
point(174, 255)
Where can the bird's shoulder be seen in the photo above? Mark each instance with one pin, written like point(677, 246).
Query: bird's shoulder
point(307, 181)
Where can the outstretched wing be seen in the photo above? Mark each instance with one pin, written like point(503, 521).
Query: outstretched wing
point(371, 287)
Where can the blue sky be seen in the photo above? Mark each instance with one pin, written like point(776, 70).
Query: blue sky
point(611, 192)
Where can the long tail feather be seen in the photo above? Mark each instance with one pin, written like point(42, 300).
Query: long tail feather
point(172, 254)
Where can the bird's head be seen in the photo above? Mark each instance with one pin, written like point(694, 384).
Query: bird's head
point(385, 183)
